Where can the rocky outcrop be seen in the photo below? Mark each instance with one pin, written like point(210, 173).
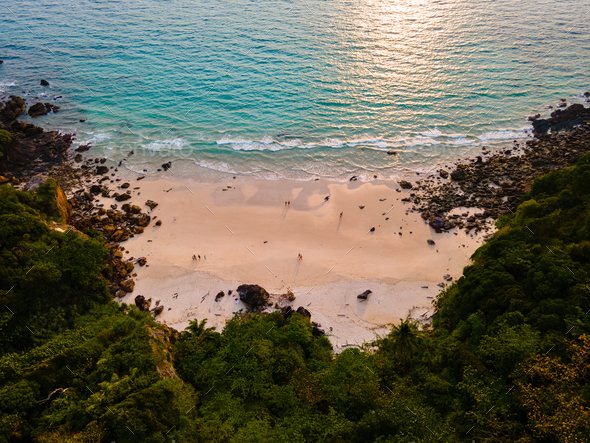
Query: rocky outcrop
point(128, 285)
point(12, 109)
point(37, 109)
point(302, 311)
point(560, 119)
point(253, 295)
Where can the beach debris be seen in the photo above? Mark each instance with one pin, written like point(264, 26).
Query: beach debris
point(361, 207)
point(204, 297)
point(142, 303)
point(430, 242)
point(405, 184)
point(253, 295)
point(219, 295)
point(364, 295)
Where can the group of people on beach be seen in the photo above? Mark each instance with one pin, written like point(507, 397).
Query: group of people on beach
point(198, 257)
point(287, 203)
point(300, 257)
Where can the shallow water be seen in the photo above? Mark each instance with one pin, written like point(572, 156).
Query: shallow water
point(295, 89)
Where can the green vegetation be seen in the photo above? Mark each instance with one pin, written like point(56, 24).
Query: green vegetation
point(5, 140)
point(506, 358)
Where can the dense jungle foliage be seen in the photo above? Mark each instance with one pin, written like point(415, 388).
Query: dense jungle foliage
point(506, 358)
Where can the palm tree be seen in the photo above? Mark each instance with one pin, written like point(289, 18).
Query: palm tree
point(404, 340)
point(199, 331)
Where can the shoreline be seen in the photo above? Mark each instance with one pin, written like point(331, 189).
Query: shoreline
point(250, 236)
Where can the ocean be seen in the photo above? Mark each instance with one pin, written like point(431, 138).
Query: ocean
point(301, 90)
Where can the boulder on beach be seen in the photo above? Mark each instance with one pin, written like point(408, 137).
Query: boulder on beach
point(253, 295)
point(430, 242)
point(128, 285)
point(219, 295)
point(141, 261)
point(364, 295)
point(122, 197)
point(151, 204)
point(158, 310)
point(44, 82)
point(142, 303)
point(101, 170)
point(301, 310)
point(443, 173)
point(405, 184)
point(436, 223)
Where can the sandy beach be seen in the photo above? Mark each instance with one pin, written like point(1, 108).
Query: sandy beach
point(248, 235)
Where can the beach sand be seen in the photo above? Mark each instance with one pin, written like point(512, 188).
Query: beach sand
point(249, 236)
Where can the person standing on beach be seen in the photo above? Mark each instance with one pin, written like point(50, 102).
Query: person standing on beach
point(199, 257)
point(341, 214)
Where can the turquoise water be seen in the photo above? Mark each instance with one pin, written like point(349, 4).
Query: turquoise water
point(295, 89)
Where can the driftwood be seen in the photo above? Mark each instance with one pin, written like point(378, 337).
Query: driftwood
point(60, 390)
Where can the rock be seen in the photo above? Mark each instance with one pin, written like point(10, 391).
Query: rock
point(101, 170)
point(301, 310)
point(12, 109)
point(430, 242)
point(372, 229)
point(167, 166)
point(83, 148)
point(361, 207)
point(158, 310)
point(35, 181)
point(82, 120)
point(96, 189)
point(290, 296)
point(391, 152)
point(63, 206)
point(405, 185)
point(447, 277)
point(436, 223)
point(142, 303)
point(119, 236)
point(122, 197)
point(44, 82)
point(253, 295)
point(78, 158)
point(443, 173)
point(141, 261)
point(151, 204)
point(316, 331)
point(459, 174)
point(141, 177)
point(219, 295)
point(354, 178)
point(128, 285)
point(441, 285)
point(125, 185)
point(159, 223)
point(37, 109)
point(143, 220)
point(364, 295)
point(134, 209)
